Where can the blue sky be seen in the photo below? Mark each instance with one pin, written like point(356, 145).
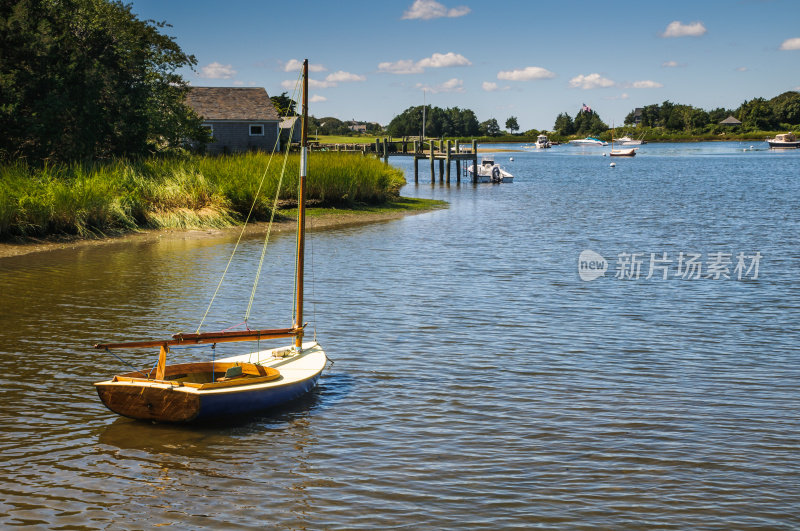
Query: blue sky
point(527, 59)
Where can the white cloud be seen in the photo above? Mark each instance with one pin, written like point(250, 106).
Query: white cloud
point(592, 81)
point(437, 60)
point(428, 9)
point(791, 44)
point(453, 85)
point(490, 86)
point(444, 60)
point(679, 29)
point(331, 80)
point(526, 74)
point(316, 98)
point(742, 69)
point(217, 71)
point(290, 84)
point(293, 65)
point(671, 64)
point(646, 84)
point(405, 66)
point(343, 77)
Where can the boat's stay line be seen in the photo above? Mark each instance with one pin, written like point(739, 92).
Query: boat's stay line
point(272, 214)
point(244, 226)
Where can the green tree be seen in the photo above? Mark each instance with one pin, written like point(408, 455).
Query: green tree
point(438, 122)
point(512, 125)
point(589, 123)
point(490, 127)
point(786, 107)
point(756, 114)
point(83, 79)
point(564, 125)
point(284, 105)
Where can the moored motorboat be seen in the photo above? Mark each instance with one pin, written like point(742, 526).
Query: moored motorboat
point(628, 141)
point(542, 142)
point(489, 172)
point(588, 141)
point(784, 141)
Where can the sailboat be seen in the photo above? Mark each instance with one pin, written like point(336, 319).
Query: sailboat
point(630, 152)
point(232, 386)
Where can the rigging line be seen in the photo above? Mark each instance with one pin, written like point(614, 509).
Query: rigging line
point(128, 364)
point(272, 213)
point(313, 283)
point(241, 233)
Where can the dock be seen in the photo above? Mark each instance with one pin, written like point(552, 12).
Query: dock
point(446, 152)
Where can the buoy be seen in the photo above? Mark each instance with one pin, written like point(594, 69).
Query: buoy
point(613, 164)
point(511, 159)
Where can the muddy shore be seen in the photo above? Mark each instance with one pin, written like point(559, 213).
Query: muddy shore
point(323, 221)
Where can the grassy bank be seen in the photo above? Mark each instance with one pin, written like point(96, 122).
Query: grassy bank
point(179, 192)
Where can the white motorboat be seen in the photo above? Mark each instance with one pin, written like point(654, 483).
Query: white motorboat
point(784, 141)
point(588, 141)
point(542, 142)
point(628, 141)
point(489, 172)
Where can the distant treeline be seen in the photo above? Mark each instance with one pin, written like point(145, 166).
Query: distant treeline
point(586, 122)
point(451, 122)
point(758, 114)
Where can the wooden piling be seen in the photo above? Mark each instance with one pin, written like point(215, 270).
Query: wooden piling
point(474, 161)
point(447, 161)
point(432, 155)
point(458, 162)
point(416, 164)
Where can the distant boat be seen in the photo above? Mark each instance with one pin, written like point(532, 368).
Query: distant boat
point(631, 152)
point(588, 141)
point(489, 172)
point(628, 141)
point(784, 141)
point(543, 142)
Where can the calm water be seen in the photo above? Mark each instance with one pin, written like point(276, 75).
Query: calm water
point(478, 381)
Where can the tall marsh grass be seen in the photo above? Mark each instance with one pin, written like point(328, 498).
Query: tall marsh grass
point(179, 192)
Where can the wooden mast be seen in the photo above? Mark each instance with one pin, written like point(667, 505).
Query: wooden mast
point(301, 212)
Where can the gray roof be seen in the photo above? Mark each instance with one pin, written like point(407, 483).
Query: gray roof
point(730, 120)
point(288, 122)
point(232, 103)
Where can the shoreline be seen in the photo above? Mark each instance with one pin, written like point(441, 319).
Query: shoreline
point(314, 222)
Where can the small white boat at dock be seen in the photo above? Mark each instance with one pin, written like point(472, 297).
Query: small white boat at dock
point(489, 172)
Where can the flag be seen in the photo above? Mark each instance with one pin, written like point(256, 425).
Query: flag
point(586, 108)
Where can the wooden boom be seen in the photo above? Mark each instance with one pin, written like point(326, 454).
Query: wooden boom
point(208, 337)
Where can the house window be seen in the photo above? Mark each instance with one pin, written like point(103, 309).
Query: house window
point(257, 130)
point(209, 128)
